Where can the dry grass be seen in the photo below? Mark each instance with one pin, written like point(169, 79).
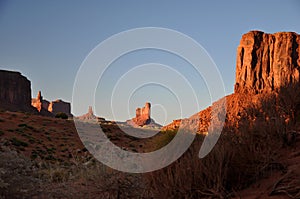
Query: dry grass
point(242, 156)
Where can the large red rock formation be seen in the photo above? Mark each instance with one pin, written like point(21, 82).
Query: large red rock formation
point(15, 91)
point(266, 62)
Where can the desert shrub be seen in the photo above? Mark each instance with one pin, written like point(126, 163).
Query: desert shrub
point(31, 140)
point(17, 142)
point(34, 154)
point(53, 172)
point(51, 150)
point(49, 138)
point(25, 126)
point(22, 125)
point(61, 115)
point(50, 157)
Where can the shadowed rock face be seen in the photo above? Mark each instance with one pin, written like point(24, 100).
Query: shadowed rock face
point(265, 62)
point(60, 106)
point(15, 91)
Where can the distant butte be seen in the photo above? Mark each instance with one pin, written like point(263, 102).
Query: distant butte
point(143, 117)
point(89, 115)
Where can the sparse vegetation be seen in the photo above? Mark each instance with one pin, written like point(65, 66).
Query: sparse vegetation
point(163, 140)
point(244, 154)
point(17, 179)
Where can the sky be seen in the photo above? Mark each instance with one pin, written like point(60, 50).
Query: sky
point(48, 41)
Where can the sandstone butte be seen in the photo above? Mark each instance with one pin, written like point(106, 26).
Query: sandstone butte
point(265, 63)
point(45, 107)
point(142, 116)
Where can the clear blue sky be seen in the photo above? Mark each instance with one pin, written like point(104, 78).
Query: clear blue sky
point(48, 40)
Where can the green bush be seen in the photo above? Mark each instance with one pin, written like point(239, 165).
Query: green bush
point(61, 115)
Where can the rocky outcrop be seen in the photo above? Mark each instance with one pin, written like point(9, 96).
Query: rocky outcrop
point(15, 91)
point(266, 62)
point(37, 102)
point(175, 124)
point(50, 108)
